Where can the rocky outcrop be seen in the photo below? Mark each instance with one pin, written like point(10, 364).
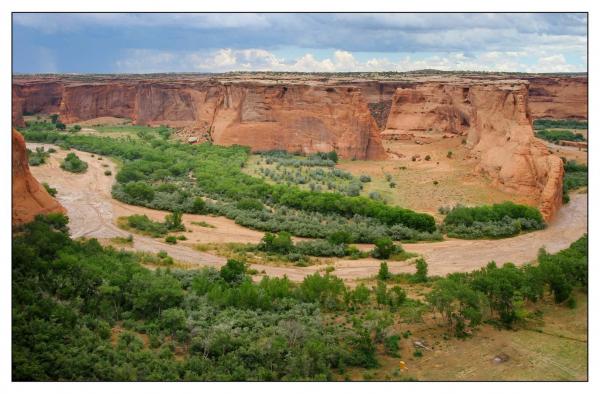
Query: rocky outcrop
point(495, 121)
point(29, 198)
point(296, 117)
point(558, 97)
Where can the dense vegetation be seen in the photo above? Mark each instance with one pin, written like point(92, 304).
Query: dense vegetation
point(560, 124)
point(557, 135)
point(492, 221)
point(575, 177)
point(86, 312)
point(144, 225)
point(165, 175)
point(557, 130)
point(500, 293)
point(315, 172)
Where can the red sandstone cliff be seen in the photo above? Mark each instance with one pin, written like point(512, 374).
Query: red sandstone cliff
point(496, 121)
point(29, 198)
point(558, 97)
point(293, 117)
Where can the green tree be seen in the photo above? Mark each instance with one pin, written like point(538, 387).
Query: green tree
point(421, 275)
point(234, 271)
point(384, 273)
point(384, 248)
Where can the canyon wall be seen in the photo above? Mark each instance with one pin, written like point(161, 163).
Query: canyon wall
point(495, 121)
point(29, 198)
point(295, 117)
point(558, 97)
point(308, 114)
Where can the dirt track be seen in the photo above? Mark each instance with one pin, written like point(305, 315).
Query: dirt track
point(93, 212)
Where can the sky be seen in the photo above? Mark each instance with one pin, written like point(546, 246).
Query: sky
point(309, 42)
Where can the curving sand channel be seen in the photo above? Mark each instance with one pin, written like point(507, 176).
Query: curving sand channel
point(93, 212)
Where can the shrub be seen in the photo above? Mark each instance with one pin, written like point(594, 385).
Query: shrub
point(276, 243)
point(72, 163)
point(449, 154)
point(421, 274)
point(170, 239)
point(52, 191)
point(250, 204)
point(199, 206)
point(365, 178)
point(173, 222)
point(384, 272)
point(108, 172)
point(385, 248)
point(139, 191)
point(492, 221)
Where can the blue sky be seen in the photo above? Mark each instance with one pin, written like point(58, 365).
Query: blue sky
point(141, 43)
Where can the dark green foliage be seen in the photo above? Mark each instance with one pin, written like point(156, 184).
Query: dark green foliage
point(68, 295)
point(234, 271)
point(173, 222)
point(458, 297)
point(560, 124)
point(60, 126)
point(391, 345)
point(385, 248)
point(557, 135)
point(54, 118)
point(250, 204)
point(199, 205)
point(217, 174)
point(147, 226)
point(277, 243)
point(72, 163)
point(458, 303)
point(575, 177)
point(52, 191)
point(171, 239)
point(492, 221)
point(421, 275)
point(37, 157)
point(565, 270)
point(139, 191)
point(384, 272)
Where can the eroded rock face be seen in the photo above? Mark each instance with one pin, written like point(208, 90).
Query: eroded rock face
point(29, 197)
point(264, 116)
point(558, 98)
point(495, 121)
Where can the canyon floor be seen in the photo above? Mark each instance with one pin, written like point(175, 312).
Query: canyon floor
point(93, 213)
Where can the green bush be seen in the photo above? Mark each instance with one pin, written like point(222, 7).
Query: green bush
point(37, 157)
point(384, 272)
point(72, 163)
point(557, 135)
point(52, 191)
point(492, 221)
point(385, 248)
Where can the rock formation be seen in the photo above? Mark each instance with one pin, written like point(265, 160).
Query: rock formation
point(311, 113)
point(558, 97)
point(29, 198)
point(495, 120)
point(295, 117)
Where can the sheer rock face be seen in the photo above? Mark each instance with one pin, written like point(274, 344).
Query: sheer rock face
point(496, 123)
point(302, 118)
point(29, 198)
point(558, 98)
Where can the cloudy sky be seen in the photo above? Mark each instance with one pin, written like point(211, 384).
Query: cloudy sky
point(142, 43)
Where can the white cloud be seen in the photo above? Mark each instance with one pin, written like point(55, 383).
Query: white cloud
point(255, 59)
